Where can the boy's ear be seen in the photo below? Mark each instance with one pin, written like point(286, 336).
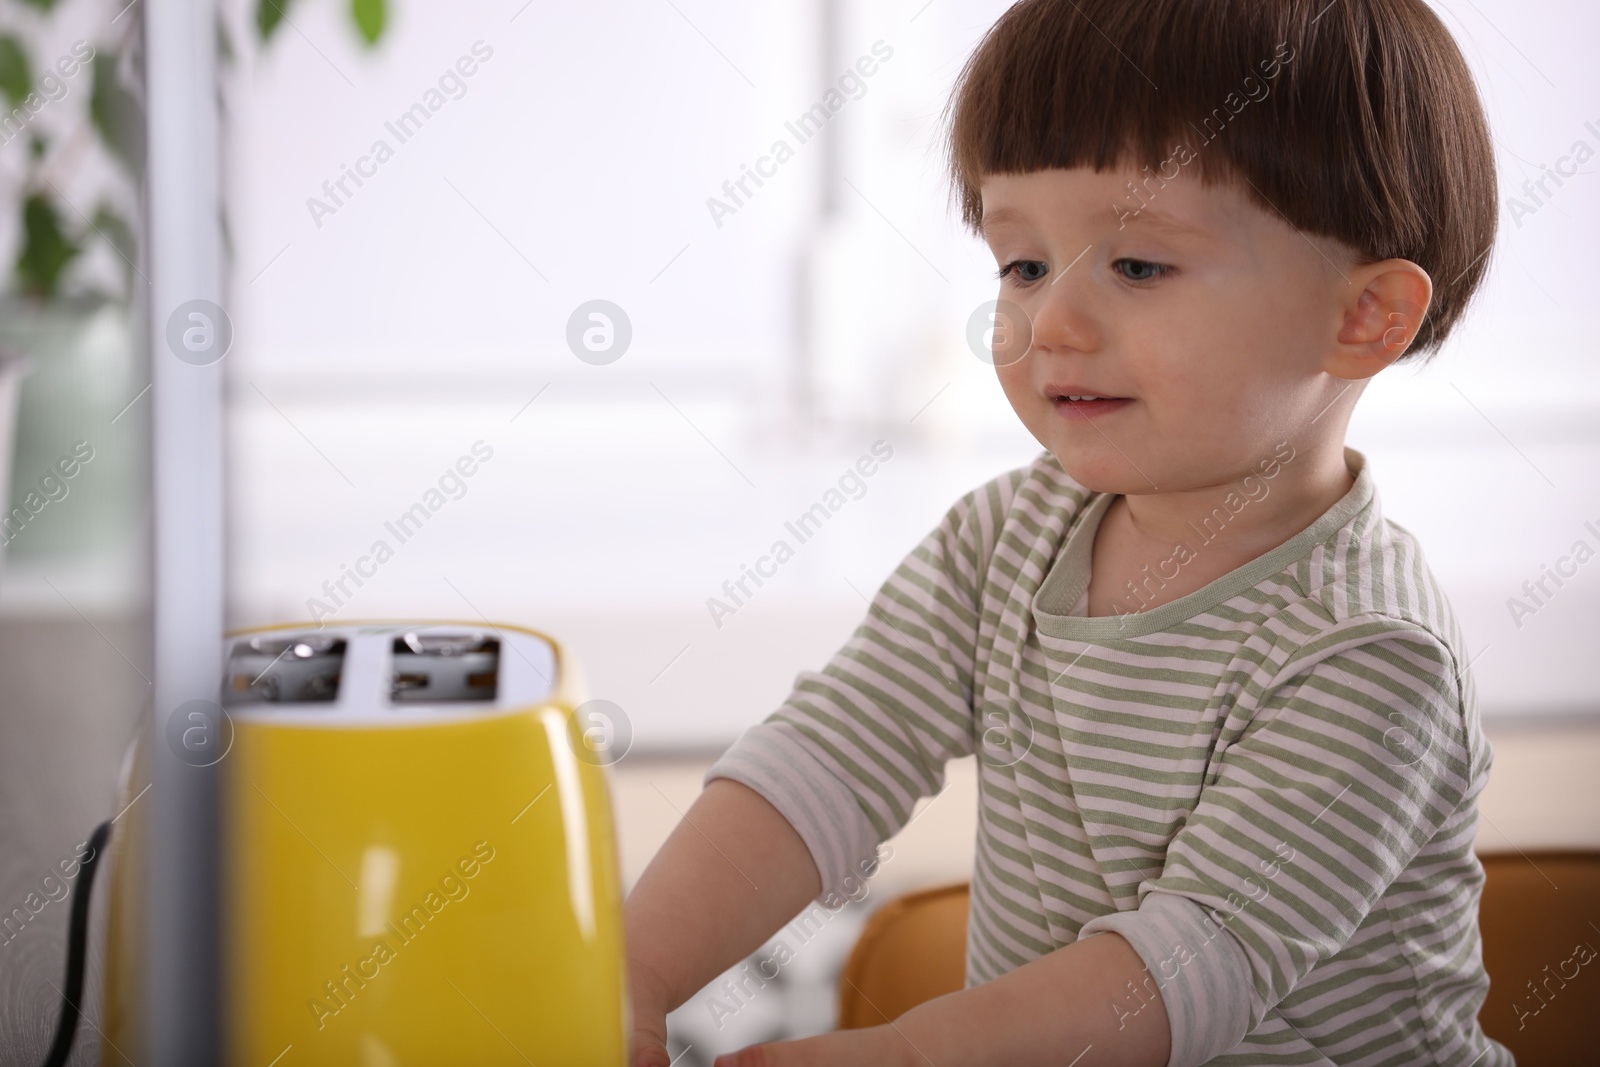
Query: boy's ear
point(1383, 306)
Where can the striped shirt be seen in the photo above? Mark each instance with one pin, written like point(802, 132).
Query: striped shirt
point(1268, 786)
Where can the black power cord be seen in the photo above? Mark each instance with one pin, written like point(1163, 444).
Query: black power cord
point(77, 944)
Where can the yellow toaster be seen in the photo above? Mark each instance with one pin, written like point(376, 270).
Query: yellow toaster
point(418, 858)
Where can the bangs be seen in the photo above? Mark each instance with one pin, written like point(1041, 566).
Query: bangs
point(1357, 119)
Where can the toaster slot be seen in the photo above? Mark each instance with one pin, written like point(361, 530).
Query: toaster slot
point(436, 667)
point(284, 669)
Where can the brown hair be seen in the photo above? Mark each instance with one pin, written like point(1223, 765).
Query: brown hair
point(1353, 119)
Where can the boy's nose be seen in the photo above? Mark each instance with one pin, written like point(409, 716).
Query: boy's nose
point(1064, 315)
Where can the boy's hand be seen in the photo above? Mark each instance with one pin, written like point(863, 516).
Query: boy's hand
point(873, 1046)
point(648, 1000)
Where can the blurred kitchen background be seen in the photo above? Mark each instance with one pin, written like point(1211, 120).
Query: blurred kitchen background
point(385, 323)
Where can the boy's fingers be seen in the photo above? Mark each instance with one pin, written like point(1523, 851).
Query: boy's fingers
point(649, 1052)
point(825, 1050)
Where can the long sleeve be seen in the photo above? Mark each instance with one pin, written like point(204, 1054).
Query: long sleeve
point(854, 745)
point(1355, 759)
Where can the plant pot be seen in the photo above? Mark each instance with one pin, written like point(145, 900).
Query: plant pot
point(73, 454)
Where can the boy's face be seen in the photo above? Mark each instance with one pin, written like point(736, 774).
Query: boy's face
point(1205, 319)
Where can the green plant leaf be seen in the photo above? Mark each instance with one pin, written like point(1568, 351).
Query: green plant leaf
point(46, 247)
point(269, 13)
point(369, 16)
point(15, 78)
point(42, 5)
point(116, 114)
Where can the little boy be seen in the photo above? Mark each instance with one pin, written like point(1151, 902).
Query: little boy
point(1228, 749)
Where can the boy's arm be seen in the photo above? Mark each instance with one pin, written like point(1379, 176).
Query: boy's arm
point(1047, 1012)
point(731, 873)
point(1355, 758)
point(799, 805)
point(1056, 1011)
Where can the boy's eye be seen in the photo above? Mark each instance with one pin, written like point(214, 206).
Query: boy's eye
point(1026, 271)
point(1140, 270)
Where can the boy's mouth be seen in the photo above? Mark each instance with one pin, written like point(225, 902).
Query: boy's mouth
point(1076, 402)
